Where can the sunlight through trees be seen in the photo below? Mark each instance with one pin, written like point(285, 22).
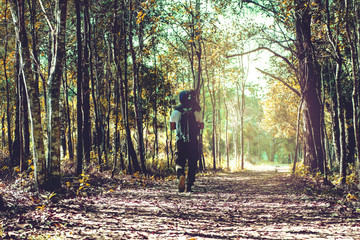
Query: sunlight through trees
point(90, 85)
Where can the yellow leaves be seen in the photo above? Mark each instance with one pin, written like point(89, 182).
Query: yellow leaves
point(140, 17)
point(280, 110)
point(336, 179)
point(51, 195)
point(313, 3)
point(40, 208)
point(350, 197)
point(301, 169)
point(83, 180)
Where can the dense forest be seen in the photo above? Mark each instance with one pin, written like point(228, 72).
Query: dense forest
point(90, 85)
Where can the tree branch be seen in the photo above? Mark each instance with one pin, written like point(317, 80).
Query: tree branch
point(264, 48)
point(281, 80)
point(258, 5)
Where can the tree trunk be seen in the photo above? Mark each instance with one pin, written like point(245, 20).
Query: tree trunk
point(67, 113)
point(340, 113)
point(338, 93)
point(226, 135)
point(85, 86)
point(32, 92)
point(98, 140)
point(54, 85)
point(213, 103)
point(17, 148)
point(25, 129)
point(353, 36)
point(219, 131)
point(137, 90)
point(242, 110)
point(356, 88)
point(120, 43)
point(311, 88)
point(8, 114)
point(79, 97)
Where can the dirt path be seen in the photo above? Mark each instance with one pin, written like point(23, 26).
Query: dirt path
point(246, 205)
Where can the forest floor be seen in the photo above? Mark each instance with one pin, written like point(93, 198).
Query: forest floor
point(241, 205)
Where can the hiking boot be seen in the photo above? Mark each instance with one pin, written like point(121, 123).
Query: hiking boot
point(182, 183)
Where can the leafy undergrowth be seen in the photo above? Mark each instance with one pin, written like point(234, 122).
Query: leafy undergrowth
point(242, 205)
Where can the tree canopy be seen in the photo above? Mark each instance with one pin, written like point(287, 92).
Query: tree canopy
point(91, 84)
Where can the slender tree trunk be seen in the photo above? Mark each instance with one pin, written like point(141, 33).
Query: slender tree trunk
point(356, 89)
point(118, 45)
point(17, 153)
point(3, 139)
point(226, 135)
point(219, 131)
point(109, 94)
point(339, 101)
point(353, 36)
point(116, 133)
point(63, 126)
point(137, 93)
point(26, 130)
point(68, 113)
point(213, 103)
point(33, 6)
point(156, 142)
point(242, 110)
point(8, 114)
point(94, 85)
point(54, 84)
point(340, 112)
point(297, 135)
point(18, 148)
point(85, 86)
point(238, 128)
point(79, 97)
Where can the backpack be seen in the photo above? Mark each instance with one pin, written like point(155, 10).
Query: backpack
point(188, 126)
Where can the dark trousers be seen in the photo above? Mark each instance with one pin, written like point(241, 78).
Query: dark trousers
point(187, 151)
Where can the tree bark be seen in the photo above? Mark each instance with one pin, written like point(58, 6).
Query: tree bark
point(54, 84)
point(226, 135)
point(120, 43)
point(137, 90)
point(353, 36)
point(32, 92)
point(79, 97)
point(86, 86)
point(311, 88)
point(8, 114)
point(68, 113)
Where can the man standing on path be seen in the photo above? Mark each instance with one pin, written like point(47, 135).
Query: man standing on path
point(187, 120)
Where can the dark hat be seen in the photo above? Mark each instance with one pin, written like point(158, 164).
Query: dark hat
point(183, 96)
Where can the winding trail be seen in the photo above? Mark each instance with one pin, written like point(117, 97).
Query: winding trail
point(244, 205)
